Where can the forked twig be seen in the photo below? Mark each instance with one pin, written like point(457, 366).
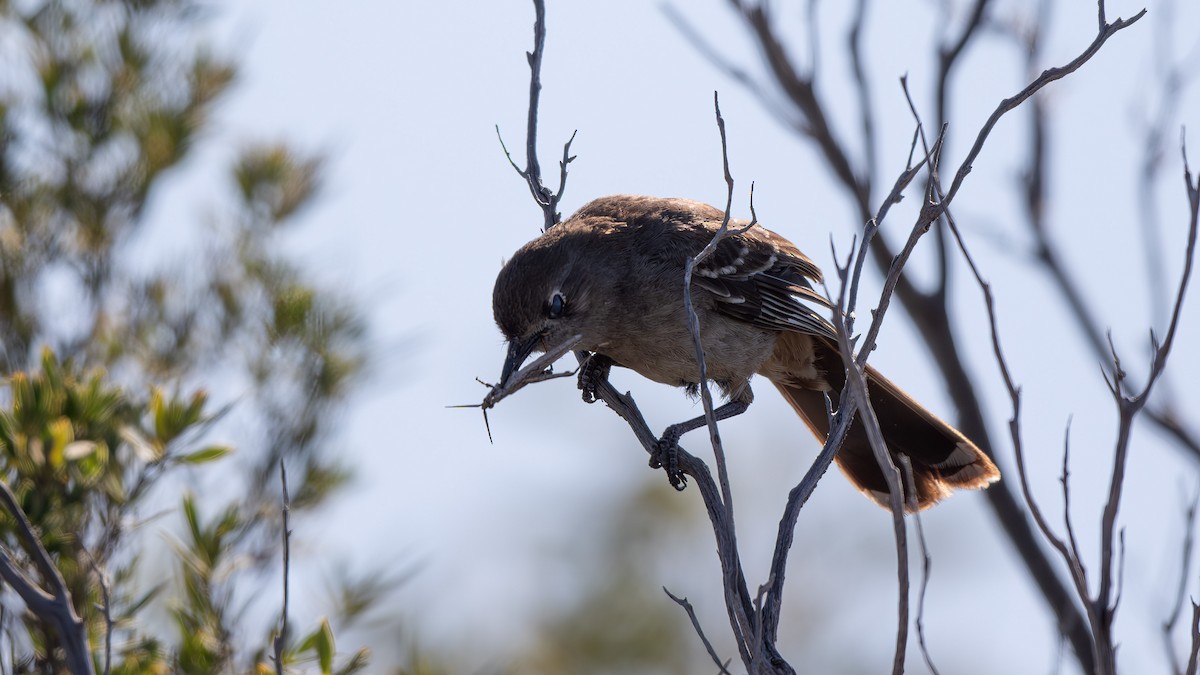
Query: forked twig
point(536, 370)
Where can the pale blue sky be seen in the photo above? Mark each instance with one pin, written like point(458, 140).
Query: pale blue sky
point(421, 207)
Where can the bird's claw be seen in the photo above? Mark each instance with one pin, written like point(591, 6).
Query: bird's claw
point(592, 373)
point(666, 457)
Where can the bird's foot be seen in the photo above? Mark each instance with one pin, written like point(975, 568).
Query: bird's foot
point(592, 374)
point(666, 457)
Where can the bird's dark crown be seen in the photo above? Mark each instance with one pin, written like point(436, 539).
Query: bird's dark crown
point(521, 297)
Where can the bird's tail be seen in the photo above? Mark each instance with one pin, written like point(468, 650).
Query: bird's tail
point(942, 458)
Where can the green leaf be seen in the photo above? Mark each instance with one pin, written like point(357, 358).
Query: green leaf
point(173, 416)
point(205, 455)
point(62, 433)
point(325, 647)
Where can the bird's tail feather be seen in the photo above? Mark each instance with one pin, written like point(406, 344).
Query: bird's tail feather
point(942, 458)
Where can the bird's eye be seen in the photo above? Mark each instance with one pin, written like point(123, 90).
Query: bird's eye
point(558, 305)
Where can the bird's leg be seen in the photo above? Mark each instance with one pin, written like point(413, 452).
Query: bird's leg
point(592, 373)
point(666, 454)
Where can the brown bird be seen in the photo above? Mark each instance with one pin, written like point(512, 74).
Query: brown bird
point(613, 273)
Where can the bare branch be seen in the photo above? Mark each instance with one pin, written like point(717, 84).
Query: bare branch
point(1194, 657)
point(1070, 555)
point(693, 320)
point(1161, 412)
point(902, 182)
point(1185, 566)
point(839, 426)
point(729, 69)
point(546, 198)
point(535, 371)
point(862, 87)
point(857, 383)
point(1075, 562)
point(1129, 407)
point(1172, 77)
point(102, 580)
point(722, 668)
point(800, 90)
point(926, 562)
point(54, 606)
point(1049, 75)
point(281, 636)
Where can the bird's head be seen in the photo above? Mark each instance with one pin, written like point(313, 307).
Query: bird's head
point(541, 300)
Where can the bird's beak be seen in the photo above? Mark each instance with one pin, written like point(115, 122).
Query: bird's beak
point(519, 349)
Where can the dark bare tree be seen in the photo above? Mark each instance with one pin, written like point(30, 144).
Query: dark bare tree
point(789, 91)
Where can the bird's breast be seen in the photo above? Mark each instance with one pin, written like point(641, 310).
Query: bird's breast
point(659, 346)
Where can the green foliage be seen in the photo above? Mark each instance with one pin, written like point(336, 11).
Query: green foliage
point(318, 648)
point(121, 107)
point(80, 454)
point(101, 100)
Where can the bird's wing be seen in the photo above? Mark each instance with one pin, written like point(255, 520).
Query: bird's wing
point(763, 279)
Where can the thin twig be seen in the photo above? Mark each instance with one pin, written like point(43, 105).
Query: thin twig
point(811, 120)
point(693, 320)
point(902, 182)
point(760, 91)
point(797, 498)
point(536, 370)
point(1076, 559)
point(1185, 567)
point(758, 663)
point(1172, 77)
point(106, 609)
point(1162, 411)
point(741, 622)
point(547, 199)
point(722, 667)
point(926, 561)
point(949, 57)
point(929, 317)
point(1194, 656)
point(863, 90)
point(934, 211)
point(1069, 555)
point(848, 405)
point(1049, 75)
point(108, 620)
point(856, 382)
point(1129, 407)
point(280, 641)
point(735, 582)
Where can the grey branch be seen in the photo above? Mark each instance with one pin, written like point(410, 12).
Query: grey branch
point(52, 606)
point(279, 643)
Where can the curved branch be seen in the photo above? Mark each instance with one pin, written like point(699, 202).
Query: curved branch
point(52, 606)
